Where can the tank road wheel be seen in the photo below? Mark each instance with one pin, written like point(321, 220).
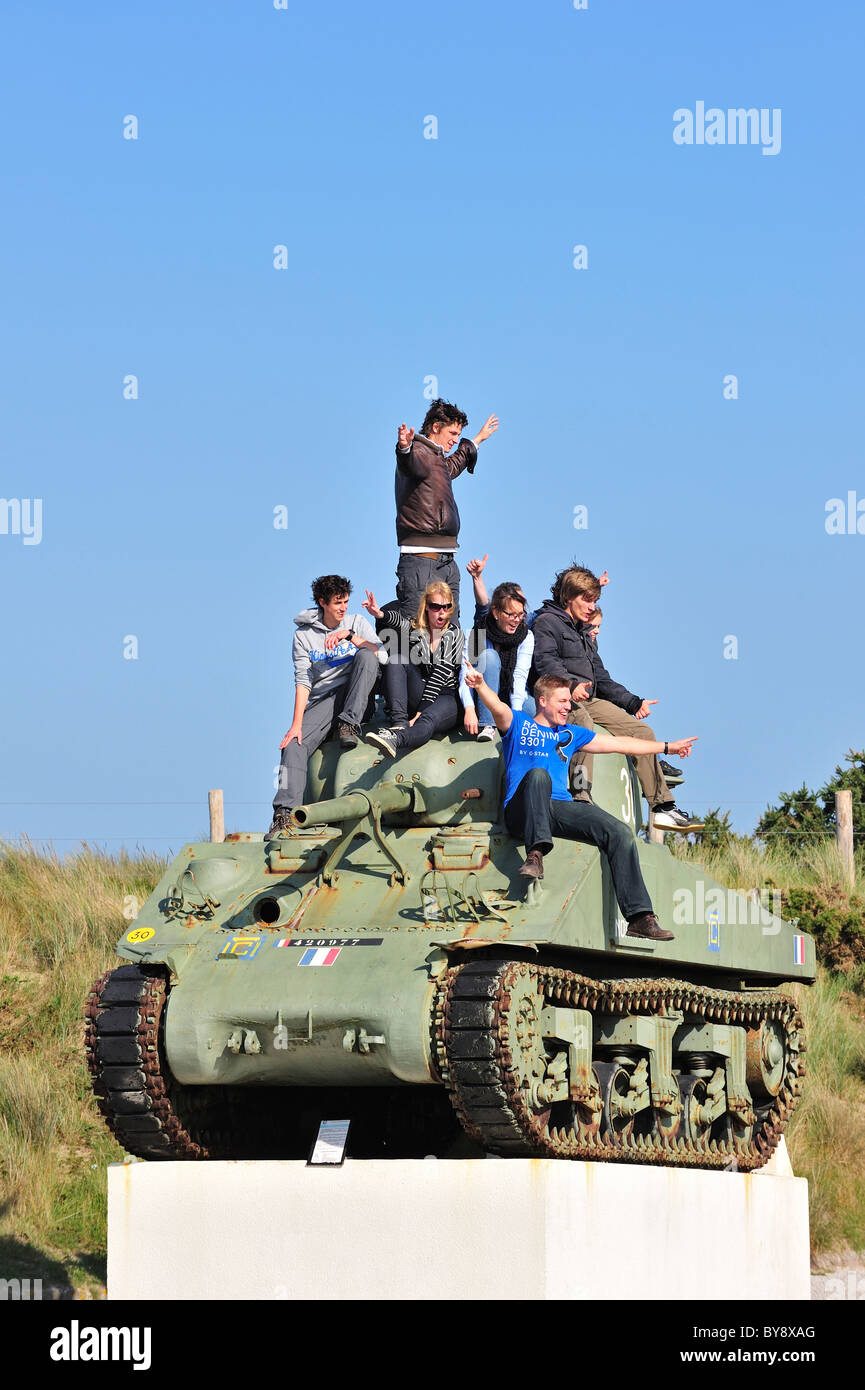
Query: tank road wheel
point(766, 1059)
point(615, 1084)
point(695, 1129)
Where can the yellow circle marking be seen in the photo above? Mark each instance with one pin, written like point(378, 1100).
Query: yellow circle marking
point(141, 934)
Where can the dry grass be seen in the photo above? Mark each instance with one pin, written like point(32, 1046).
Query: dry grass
point(826, 1137)
point(744, 864)
point(59, 922)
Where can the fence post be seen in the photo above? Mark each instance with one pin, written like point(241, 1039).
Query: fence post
point(217, 817)
point(844, 832)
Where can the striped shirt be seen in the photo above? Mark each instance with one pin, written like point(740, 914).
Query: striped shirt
point(440, 669)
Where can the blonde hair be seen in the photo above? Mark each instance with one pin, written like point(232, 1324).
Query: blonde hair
point(437, 587)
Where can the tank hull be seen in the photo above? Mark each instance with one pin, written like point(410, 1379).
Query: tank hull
point(388, 945)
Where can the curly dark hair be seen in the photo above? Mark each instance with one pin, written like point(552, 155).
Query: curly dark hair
point(329, 586)
point(441, 412)
point(574, 580)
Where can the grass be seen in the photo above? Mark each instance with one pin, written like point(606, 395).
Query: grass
point(826, 1137)
point(59, 922)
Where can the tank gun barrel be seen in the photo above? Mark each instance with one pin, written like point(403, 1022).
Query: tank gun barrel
point(353, 806)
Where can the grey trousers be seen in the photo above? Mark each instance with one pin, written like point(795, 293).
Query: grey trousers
point(620, 724)
point(415, 572)
point(347, 702)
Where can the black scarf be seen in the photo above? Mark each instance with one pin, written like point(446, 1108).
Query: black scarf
point(506, 644)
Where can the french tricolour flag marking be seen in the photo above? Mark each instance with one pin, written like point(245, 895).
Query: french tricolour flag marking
point(798, 950)
point(320, 955)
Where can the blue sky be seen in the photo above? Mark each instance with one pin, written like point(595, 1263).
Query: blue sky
point(408, 258)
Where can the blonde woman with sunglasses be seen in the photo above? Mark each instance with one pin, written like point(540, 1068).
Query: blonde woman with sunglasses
point(422, 675)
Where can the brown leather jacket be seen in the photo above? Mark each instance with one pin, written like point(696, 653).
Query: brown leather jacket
point(426, 513)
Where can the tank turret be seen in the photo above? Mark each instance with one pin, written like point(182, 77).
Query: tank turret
point(384, 961)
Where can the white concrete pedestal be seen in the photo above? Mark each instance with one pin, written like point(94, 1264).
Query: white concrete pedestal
point(436, 1229)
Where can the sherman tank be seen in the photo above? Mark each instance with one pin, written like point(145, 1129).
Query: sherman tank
point(384, 962)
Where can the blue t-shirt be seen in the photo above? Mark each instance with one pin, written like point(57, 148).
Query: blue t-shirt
point(527, 745)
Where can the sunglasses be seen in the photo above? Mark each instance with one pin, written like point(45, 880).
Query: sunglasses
point(440, 607)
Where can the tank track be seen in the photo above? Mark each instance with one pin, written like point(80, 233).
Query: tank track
point(478, 1057)
point(122, 1042)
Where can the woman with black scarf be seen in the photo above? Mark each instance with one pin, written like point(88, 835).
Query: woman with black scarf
point(500, 645)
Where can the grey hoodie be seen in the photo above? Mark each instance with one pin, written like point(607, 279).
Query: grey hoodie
point(320, 671)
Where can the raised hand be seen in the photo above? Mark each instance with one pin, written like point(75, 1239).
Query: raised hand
point(473, 677)
point(476, 567)
point(604, 579)
point(406, 436)
point(489, 427)
point(370, 604)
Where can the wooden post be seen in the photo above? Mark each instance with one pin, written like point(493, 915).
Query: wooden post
point(844, 832)
point(217, 817)
point(656, 835)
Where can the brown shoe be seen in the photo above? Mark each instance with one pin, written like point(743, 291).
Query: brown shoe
point(534, 865)
point(645, 924)
point(281, 825)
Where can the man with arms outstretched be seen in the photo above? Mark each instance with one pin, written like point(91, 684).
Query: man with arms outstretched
point(538, 805)
point(427, 518)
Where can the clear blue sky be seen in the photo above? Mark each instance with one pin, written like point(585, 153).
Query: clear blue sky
point(410, 257)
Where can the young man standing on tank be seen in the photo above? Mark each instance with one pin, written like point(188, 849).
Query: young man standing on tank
point(538, 804)
point(336, 664)
point(427, 518)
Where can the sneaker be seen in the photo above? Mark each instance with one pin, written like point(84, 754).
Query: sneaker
point(668, 769)
point(674, 819)
point(487, 733)
point(534, 865)
point(348, 735)
point(645, 925)
point(281, 825)
point(385, 740)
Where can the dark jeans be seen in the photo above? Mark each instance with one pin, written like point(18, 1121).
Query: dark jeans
point(531, 816)
point(403, 687)
point(348, 703)
point(415, 572)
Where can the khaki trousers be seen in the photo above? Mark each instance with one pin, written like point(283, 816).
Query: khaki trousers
point(618, 723)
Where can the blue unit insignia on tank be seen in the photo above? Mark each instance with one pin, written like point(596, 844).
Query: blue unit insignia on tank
point(713, 925)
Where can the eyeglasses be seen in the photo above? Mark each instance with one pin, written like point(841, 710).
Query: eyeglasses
point(440, 607)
